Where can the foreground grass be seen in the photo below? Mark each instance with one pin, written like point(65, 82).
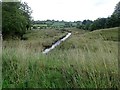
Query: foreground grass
point(0, 62)
point(80, 62)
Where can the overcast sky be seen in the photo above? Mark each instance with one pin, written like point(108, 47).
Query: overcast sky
point(71, 10)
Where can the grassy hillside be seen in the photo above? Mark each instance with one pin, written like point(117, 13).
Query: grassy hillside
point(110, 34)
point(103, 36)
point(85, 60)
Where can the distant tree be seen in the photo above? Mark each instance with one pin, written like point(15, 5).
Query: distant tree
point(85, 24)
point(99, 23)
point(92, 27)
point(116, 15)
point(68, 24)
point(117, 9)
point(114, 19)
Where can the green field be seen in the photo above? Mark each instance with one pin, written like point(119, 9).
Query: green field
point(40, 25)
point(84, 60)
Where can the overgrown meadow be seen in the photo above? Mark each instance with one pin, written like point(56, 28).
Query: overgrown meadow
point(84, 60)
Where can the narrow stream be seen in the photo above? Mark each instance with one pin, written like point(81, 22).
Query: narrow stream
point(56, 44)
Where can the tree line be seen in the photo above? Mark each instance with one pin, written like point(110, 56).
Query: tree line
point(101, 23)
point(16, 19)
point(56, 23)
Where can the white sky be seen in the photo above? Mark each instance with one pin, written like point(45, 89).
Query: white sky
point(71, 10)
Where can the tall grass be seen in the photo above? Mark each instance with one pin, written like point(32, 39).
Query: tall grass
point(0, 61)
point(79, 62)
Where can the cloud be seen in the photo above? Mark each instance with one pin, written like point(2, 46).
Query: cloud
point(71, 10)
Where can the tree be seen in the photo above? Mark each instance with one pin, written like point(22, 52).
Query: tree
point(116, 15)
point(99, 23)
point(86, 24)
point(15, 19)
point(26, 10)
point(117, 9)
point(112, 21)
